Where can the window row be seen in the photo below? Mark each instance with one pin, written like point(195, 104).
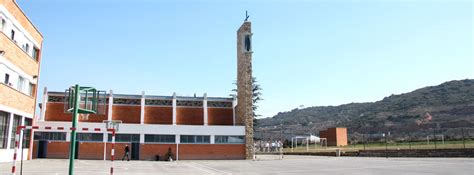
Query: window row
point(51, 136)
point(13, 79)
point(4, 127)
point(13, 32)
point(135, 138)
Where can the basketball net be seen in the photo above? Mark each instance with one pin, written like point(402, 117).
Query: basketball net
point(112, 124)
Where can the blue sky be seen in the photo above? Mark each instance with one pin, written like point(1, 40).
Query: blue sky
point(309, 53)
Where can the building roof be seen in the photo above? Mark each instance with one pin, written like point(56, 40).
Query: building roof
point(158, 97)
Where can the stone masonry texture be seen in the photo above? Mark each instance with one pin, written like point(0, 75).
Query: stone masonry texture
point(244, 88)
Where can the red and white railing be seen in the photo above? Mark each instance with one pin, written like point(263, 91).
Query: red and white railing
point(20, 128)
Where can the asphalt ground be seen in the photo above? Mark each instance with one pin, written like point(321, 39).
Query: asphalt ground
point(266, 165)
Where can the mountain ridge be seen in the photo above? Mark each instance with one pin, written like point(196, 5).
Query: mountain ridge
point(451, 104)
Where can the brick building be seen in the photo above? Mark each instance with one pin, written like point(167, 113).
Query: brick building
point(193, 127)
point(335, 136)
point(20, 47)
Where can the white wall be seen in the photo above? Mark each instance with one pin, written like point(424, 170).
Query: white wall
point(152, 129)
point(7, 155)
point(14, 72)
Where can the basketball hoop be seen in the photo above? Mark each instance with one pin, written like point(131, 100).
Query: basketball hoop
point(84, 116)
point(91, 101)
point(112, 124)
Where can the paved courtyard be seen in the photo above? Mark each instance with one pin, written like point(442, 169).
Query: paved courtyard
point(289, 165)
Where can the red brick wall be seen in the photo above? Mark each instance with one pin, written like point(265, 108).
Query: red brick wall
point(119, 150)
point(35, 149)
point(55, 112)
point(91, 150)
point(128, 114)
point(58, 150)
point(189, 116)
point(94, 150)
point(96, 117)
point(158, 115)
point(341, 136)
point(149, 151)
point(211, 151)
point(220, 116)
point(15, 99)
point(330, 135)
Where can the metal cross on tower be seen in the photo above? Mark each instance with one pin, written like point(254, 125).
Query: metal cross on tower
point(246, 15)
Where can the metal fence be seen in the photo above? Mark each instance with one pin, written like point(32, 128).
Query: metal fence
point(423, 139)
point(451, 138)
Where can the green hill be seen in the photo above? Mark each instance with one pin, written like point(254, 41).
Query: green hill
point(451, 104)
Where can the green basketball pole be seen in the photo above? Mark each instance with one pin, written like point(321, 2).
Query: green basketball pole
point(72, 144)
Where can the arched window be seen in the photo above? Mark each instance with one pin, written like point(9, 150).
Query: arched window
point(248, 46)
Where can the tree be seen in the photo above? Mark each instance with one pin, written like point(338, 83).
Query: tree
point(256, 97)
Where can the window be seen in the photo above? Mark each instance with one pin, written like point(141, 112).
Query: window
point(160, 138)
point(3, 129)
point(26, 133)
point(36, 53)
point(125, 138)
point(31, 89)
point(2, 25)
point(248, 43)
point(90, 137)
point(16, 123)
point(27, 47)
point(21, 82)
point(7, 79)
point(12, 36)
point(57, 136)
point(194, 139)
point(229, 139)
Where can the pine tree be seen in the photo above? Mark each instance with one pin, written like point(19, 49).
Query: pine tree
point(256, 98)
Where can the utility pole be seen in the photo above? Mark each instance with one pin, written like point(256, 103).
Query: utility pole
point(409, 141)
point(281, 130)
point(463, 139)
point(363, 140)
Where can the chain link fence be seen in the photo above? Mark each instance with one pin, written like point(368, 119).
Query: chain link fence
point(442, 138)
point(452, 138)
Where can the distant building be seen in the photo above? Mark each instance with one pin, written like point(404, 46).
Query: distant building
point(335, 136)
point(20, 50)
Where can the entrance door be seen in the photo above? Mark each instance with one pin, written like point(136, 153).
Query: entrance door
point(76, 151)
point(42, 148)
point(135, 151)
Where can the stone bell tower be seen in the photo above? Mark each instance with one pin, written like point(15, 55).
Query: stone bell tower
point(244, 110)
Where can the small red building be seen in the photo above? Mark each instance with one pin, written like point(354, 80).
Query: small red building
point(335, 136)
